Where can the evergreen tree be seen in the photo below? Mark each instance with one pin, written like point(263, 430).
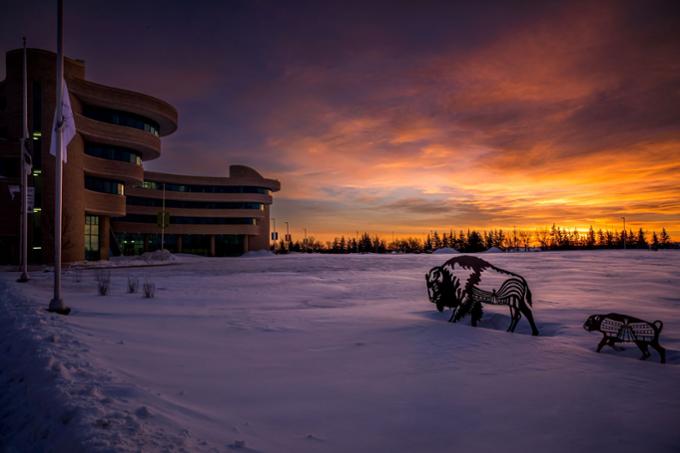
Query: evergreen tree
point(610, 239)
point(655, 241)
point(499, 238)
point(475, 243)
point(436, 241)
point(487, 238)
point(590, 241)
point(427, 247)
point(664, 239)
point(641, 240)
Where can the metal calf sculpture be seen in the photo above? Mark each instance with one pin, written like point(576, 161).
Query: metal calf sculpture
point(444, 289)
point(617, 328)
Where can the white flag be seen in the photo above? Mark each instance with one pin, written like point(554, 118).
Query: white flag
point(68, 126)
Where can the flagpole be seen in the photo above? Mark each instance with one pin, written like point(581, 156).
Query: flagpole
point(24, 177)
point(163, 220)
point(57, 304)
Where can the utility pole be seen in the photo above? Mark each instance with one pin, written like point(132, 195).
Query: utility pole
point(624, 233)
point(163, 220)
point(24, 170)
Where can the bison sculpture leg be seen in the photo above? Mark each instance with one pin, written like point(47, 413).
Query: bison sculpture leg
point(512, 318)
point(660, 349)
point(530, 317)
point(453, 315)
point(645, 350)
point(602, 343)
point(476, 313)
point(515, 320)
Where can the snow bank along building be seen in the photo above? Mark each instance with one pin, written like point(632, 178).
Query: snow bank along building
point(110, 204)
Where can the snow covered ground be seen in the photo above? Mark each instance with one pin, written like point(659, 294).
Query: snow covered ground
point(337, 353)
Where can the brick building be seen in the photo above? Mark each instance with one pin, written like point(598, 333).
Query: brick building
point(110, 204)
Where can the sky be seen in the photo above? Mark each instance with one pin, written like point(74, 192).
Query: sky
point(404, 117)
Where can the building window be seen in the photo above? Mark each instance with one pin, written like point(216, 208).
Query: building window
point(91, 237)
point(104, 185)
point(113, 153)
point(184, 204)
point(197, 188)
point(184, 220)
point(121, 118)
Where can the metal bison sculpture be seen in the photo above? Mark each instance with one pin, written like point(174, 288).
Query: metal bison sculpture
point(618, 328)
point(465, 283)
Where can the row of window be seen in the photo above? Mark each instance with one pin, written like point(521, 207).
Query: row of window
point(199, 244)
point(121, 118)
point(104, 185)
point(181, 220)
point(182, 204)
point(155, 185)
point(113, 153)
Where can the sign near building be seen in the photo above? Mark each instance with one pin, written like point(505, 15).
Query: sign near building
point(163, 219)
point(275, 236)
point(289, 238)
point(14, 190)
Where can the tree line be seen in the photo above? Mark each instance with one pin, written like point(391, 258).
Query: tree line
point(471, 241)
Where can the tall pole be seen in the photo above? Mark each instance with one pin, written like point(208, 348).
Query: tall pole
point(624, 233)
point(57, 304)
point(163, 220)
point(24, 176)
point(287, 238)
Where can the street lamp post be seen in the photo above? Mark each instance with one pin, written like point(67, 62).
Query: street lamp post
point(624, 232)
point(163, 220)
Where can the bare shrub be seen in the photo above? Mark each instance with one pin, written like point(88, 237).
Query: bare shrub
point(133, 284)
point(103, 279)
point(149, 289)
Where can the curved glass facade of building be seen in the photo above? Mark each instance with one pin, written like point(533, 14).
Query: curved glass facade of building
point(121, 118)
point(104, 185)
point(199, 188)
point(183, 204)
point(111, 152)
point(186, 220)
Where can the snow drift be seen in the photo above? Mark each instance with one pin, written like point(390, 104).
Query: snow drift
point(445, 251)
point(338, 353)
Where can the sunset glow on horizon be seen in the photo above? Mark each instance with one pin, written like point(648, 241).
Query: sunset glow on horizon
point(403, 118)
